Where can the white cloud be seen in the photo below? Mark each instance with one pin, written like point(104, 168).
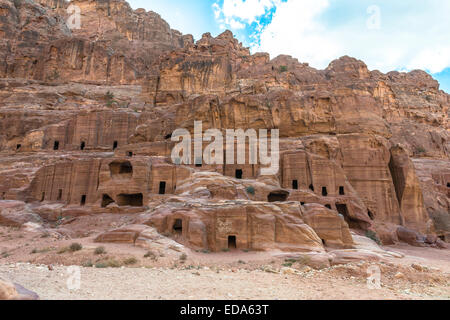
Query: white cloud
point(234, 13)
point(394, 35)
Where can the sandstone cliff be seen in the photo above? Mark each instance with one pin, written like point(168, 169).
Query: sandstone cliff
point(86, 117)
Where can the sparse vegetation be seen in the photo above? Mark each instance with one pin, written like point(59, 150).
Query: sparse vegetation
point(88, 264)
point(99, 250)
point(130, 261)
point(283, 69)
point(110, 263)
point(251, 190)
point(151, 255)
point(43, 250)
point(75, 247)
point(420, 150)
point(183, 257)
point(372, 235)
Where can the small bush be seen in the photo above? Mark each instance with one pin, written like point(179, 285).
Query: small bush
point(420, 150)
point(287, 264)
point(130, 261)
point(75, 247)
point(283, 69)
point(100, 250)
point(151, 255)
point(206, 251)
point(88, 264)
point(372, 235)
point(183, 257)
point(108, 264)
point(109, 95)
point(251, 190)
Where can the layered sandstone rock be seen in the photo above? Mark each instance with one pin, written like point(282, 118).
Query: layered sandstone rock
point(87, 116)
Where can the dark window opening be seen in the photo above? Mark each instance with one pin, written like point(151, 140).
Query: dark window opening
point(442, 238)
point(341, 191)
point(232, 242)
point(178, 226)
point(18, 146)
point(82, 145)
point(295, 184)
point(83, 200)
point(311, 187)
point(302, 203)
point(162, 187)
point(56, 145)
point(239, 174)
point(278, 196)
point(43, 196)
point(59, 195)
point(106, 200)
point(324, 191)
point(169, 136)
point(328, 206)
point(371, 216)
point(122, 169)
point(323, 241)
point(448, 185)
point(133, 200)
point(115, 145)
point(198, 165)
point(129, 154)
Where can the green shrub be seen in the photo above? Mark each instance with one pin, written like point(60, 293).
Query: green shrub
point(420, 150)
point(108, 264)
point(372, 235)
point(130, 261)
point(283, 69)
point(100, 250)
point(251, 190)
point(75, 247)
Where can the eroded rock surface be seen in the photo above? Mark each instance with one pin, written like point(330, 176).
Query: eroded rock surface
point(86, 118)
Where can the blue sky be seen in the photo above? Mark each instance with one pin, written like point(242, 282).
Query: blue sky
point(387, 35)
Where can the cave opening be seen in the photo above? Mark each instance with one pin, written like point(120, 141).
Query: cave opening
point(82, 145)
point(341, 191)
point(278, 196)
point(56, 145)
point(106, 200)
point(59, 195)
point(232, 242)
point(328, 206)
point(239, 173)
point(371, 216)
point(311, 187)
point(343, 210)
point(162, 187)
point(18, 146)
point(115, 145)
point(295, 184)
point(43, 196)
point(448, 184)
point(130, 154)
point(83, 200)
point(178, 226)
point(132, 200)
point(324, 191)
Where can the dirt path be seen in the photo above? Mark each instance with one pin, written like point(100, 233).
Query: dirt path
point(204, 283)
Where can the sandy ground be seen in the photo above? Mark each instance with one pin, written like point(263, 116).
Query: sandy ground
point(37, 263)
point(240, 280)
